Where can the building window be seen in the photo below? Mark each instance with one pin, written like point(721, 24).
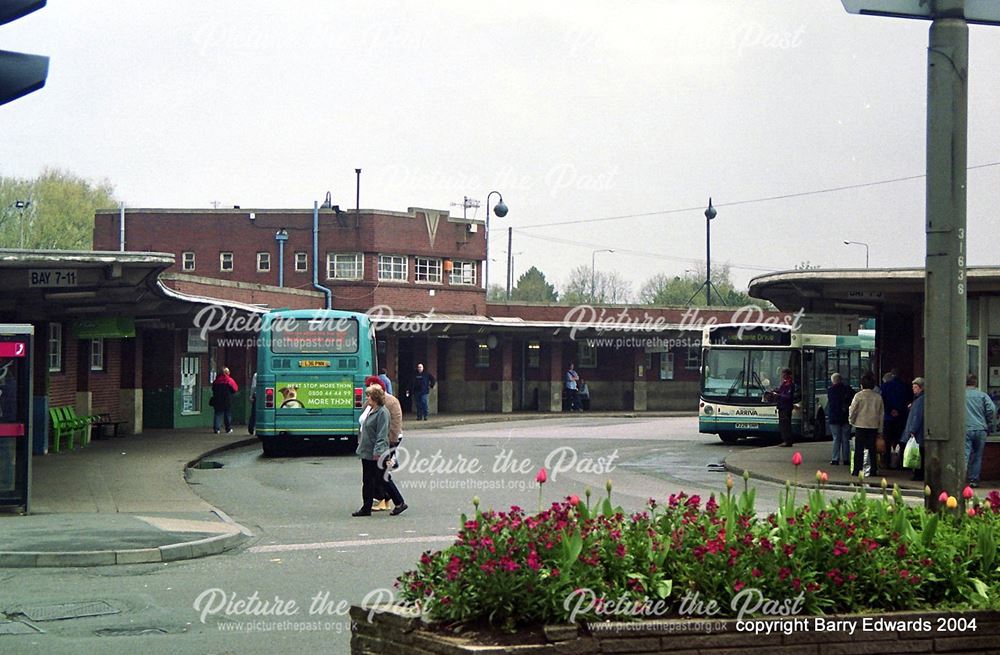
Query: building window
point(225, 261)
point(97, 354)
point(462, 273)
point(482, 354)
point(55, 347)
point(427, 270)
point(392, 268)
point(344, 266)
point(187, 261)
point(534, 354)
point(301, 262)
point(692, 360)
point(586, 355)
point(263, 262)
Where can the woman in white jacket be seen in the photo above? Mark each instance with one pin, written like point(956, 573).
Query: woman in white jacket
point(867, 415)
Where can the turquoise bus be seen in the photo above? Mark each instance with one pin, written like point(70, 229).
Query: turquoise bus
point(741, 364)
point(311, 368)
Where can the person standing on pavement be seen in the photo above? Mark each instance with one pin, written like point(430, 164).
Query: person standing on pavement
point(223, 389)
point(572, 388)
point(388, 490)
point(980, 412)
point(867, 415)
point(785, 401)
point(838, 401)
point(915, 423)
point(895, 396)
point(423, 382)
point(252, 423)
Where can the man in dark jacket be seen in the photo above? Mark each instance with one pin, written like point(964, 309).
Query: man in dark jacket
point(838, 402)
point(222, 400)
point(785, 401)
point(423, 382)
point(897, 396)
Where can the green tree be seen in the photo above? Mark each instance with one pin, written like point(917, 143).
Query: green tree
point(533, 287)
point(688, 290)
point(54, 211)
point(496, 293)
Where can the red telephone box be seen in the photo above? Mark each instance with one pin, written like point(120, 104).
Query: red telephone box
point(16, 343)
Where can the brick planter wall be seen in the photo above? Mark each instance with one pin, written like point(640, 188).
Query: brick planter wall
point(399, 632)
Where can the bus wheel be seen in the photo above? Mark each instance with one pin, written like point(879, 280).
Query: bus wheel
point(272, 447)
point(729, 438)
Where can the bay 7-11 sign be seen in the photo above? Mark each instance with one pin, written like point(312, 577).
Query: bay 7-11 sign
point(52, 277)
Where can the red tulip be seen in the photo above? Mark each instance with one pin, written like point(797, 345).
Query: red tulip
point(797, 458)
point(574, 500)
point(968, 493)
point(542, 476)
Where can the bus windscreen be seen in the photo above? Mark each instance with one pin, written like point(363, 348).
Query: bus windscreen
point(314, 337)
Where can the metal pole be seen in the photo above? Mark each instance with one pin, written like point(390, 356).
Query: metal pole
point(510, 261)
point(708, 258)
point(945, 283)
point(281, 262)
point(866, 254)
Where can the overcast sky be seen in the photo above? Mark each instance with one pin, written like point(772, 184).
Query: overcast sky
point(573, 110)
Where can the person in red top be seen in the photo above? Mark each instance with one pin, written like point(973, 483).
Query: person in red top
point(222, 400)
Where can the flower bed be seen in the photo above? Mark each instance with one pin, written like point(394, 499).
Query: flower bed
point(574, 563)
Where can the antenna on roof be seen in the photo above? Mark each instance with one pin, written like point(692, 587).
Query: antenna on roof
point(465, 204)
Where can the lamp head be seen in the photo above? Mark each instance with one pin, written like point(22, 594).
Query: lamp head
point(500, 210)
point(710, 213)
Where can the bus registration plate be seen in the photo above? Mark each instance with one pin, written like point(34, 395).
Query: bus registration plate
point(747, 426)
point(313, 363)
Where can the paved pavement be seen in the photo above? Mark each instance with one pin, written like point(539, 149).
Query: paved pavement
point(125, 500)
point(775, 464)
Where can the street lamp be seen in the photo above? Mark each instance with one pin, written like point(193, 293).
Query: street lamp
point(500, 210)
point(710, 213)
point(593, 259)
point(859, 243)
point(945, 282)
point(281, 236)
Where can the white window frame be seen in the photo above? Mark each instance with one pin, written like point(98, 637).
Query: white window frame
point(263, 262)
point(97, 354)
point(301, 262)
point(187, 260)
point(393, 268)
point(55, 347)
point(586, 355)
point(427, 270)
point(692, 359)
point(353, 260)
point(222, 262)
point(462, 273)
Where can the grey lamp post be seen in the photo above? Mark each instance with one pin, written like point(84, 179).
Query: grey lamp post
point(593, 261)
point(710, 213)
point(945, 295)
point(500, 210)
point(281, 236)
point(859, 243)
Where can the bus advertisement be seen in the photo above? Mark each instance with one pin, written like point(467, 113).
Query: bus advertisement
point(741, 367)
point(311, 367)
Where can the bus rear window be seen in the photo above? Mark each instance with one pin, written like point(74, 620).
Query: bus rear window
point(314, 337)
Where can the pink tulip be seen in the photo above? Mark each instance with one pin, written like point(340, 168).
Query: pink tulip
point(971, 512)
point(943, 498)
point(968, 493)
point(797, 458)
point(824, 477)
point(574, 500)
point(542, 476)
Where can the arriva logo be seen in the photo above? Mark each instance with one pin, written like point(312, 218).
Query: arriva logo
point(746, 412)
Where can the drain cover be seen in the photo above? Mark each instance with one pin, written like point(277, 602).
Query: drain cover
point(17, 628)
point(68, 611)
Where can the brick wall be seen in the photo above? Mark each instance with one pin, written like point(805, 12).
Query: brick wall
point(62, 384)
point(104, 384)
point(397, 631)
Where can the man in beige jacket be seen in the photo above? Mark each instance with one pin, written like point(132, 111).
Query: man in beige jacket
point(867, 415)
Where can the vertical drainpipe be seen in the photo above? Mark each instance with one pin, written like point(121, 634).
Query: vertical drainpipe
point(121, 227)
point(316, 284)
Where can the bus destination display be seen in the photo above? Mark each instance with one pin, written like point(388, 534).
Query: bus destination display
point(297, 337)
point(734, 335)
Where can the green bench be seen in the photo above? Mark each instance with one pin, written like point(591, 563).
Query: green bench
point(65, 424)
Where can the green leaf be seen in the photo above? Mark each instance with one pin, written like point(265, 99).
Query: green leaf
point(927, 536)
point(664, 588)
point(606, 508)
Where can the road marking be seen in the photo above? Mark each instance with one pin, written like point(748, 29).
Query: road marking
point(321, 545)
